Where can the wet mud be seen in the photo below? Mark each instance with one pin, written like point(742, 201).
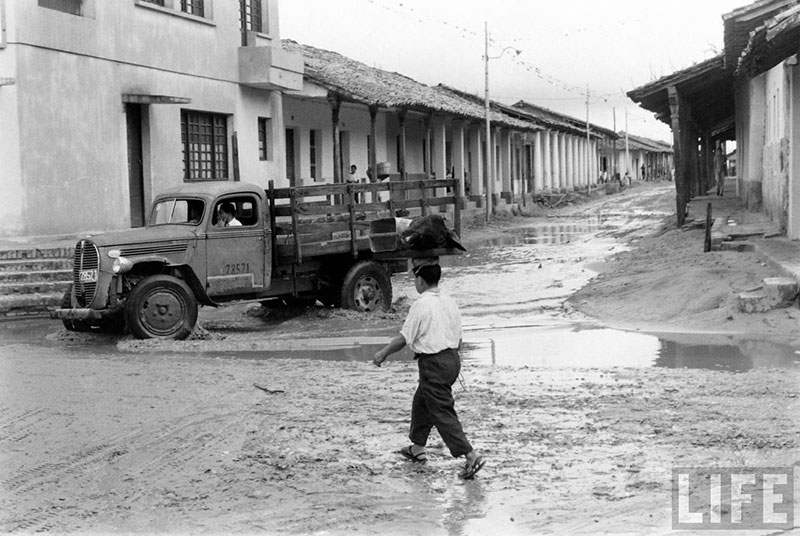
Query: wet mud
point(275, 421)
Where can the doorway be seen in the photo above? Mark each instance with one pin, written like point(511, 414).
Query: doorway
point(291, 165)
point(133, 117)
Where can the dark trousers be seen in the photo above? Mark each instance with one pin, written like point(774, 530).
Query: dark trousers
point(433, 402)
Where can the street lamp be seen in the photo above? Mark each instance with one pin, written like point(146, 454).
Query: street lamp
point(489, 178)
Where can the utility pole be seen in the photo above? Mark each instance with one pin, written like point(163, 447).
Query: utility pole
point(488, 154)
point(627, 146)
point(614, 158)
point(588, 144)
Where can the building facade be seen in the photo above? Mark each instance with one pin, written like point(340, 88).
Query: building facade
point(107, 102)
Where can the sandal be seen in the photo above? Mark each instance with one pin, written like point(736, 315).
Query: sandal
point(422, 457)
point(468, 473)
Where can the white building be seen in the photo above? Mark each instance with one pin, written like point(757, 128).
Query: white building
point(106, 102)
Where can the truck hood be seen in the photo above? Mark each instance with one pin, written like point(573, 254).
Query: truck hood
point(148, 240)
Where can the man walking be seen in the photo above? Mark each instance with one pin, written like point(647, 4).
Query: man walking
point(433, 332)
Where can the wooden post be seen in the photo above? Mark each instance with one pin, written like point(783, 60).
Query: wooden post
point(336, 104)
point(457, 200)
point(373, 151)
point(682, 160)
point(351, 205)
point(707, 244)
point(298, 254)
point(401, 118)
point(427, 141)
point(273, 239)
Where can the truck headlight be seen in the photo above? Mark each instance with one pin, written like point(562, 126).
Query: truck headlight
point(121, 265)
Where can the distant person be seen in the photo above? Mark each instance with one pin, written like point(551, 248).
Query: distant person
point(227, 216)
point(432, 330)
point(352, 178)
point(644, 175)
point(719, 169)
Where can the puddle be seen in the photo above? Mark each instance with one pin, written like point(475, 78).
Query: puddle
point(556, 347)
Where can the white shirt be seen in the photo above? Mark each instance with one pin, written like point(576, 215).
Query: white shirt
point(433, 323)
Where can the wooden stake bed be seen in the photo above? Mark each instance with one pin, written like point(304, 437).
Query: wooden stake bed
point(334, 219)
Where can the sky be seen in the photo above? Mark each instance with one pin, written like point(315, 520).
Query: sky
point(546, 52)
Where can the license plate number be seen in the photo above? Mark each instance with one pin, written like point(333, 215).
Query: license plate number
point(87, 276)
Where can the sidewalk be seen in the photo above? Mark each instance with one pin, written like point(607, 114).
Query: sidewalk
point(733, 223)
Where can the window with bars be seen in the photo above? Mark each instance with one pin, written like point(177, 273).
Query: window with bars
point(250, 15)
point(264, 129)
point(73, 7)
point(193, 7)
point(204, 137)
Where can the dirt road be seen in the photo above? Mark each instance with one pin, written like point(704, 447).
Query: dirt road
point(103, 436)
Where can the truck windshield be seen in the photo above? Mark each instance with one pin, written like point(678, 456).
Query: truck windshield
point(185, 211)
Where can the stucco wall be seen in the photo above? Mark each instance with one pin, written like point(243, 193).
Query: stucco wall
point(775, 160)
point(793, 134)
point(12, 198)
point(64, 140)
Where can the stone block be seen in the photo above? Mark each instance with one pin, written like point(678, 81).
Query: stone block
point(780, 291)
point(753, 301)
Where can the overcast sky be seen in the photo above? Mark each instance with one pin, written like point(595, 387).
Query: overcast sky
point(612, 46)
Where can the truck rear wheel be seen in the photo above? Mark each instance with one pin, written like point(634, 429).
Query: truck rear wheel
point(367, 287)
point(161, 307)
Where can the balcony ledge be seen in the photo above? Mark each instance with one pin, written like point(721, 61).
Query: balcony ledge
point(267, 67)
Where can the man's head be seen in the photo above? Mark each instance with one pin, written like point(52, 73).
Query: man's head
point(353, 168)
point(426, 276)
point(226, 212)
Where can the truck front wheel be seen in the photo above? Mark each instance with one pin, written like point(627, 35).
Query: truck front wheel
point(161, 307)
point(367, 287)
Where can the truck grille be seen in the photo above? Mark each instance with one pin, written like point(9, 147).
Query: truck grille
point(86, 261)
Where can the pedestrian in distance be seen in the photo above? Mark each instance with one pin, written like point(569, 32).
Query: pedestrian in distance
point(432, 330)
point(353, 179)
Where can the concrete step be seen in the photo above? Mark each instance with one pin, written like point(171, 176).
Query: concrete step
point(28, 305)
point(36, 265)
point(33, 253)
point(37, 276)
point(774, 293)
point(33, 287)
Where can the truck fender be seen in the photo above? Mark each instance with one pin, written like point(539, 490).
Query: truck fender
point(185, 271)
point(194, 283)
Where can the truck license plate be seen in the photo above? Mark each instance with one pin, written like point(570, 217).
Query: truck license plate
point(87, 276)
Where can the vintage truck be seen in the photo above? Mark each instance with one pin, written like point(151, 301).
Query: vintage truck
point(336, 243)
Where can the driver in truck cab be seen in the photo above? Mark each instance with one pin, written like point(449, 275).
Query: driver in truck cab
point(227, 216)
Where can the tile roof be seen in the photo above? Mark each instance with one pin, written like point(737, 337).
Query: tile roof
point(357, 82)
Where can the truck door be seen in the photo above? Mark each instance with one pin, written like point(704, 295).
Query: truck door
point(236, 247)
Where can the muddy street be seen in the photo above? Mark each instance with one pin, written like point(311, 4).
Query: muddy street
point(581, 424)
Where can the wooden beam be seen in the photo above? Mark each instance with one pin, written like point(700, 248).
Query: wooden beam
point(681, 160)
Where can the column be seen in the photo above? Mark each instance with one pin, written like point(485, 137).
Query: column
point(570, 163)
point(439, 148)
point(476, 160)
point(538, 164)
point(556, 143)
point(335, 104)
point(548, 161)
point(505, 163)
point(457, 144)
